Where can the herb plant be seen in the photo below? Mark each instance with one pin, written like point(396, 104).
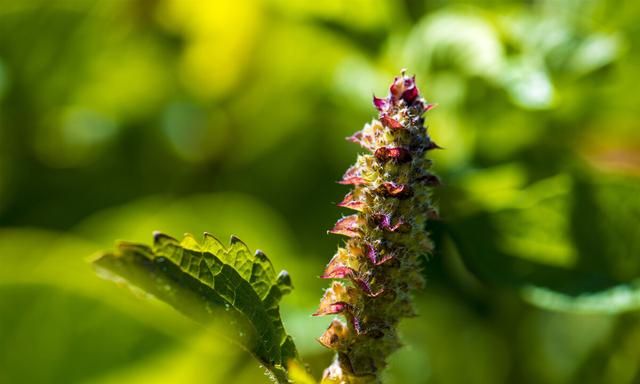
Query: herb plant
point(375, 270)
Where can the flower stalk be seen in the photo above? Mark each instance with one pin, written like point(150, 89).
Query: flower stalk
point(378, 266)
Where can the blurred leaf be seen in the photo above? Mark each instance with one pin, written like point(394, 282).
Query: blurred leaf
point(528, 83)
point(620, 298)
point(446, 333)
point(202, 279)
point(4, 79)
point(493, 188)
point(465, 41)
point(596, 51)
point(191, 362)
point(92, 331)
point(535, 225)
point(44, 275)
point(556, 242)
point(555, 344)
point(46, 258)
point(299, 375)
point(53, 335)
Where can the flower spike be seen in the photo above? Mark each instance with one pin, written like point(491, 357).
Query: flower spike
point(378, 265)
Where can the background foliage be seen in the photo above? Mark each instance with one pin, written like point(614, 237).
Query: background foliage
point(118, 118)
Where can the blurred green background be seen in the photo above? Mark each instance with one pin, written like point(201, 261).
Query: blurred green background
point(119, 117)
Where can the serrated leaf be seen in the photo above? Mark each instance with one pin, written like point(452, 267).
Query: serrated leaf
point(209, 282)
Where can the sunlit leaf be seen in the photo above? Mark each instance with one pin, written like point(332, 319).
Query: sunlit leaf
point(620, 298)
point(208, 281)
point(50, 334)
point(299, 375)
point(460, 40)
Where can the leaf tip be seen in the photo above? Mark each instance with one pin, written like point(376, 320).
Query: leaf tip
point(284, 282)
point(261, 255)
point(236, 240)
point(159, 237)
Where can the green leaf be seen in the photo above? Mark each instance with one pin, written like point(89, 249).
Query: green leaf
point(566, 243)
point(212, 283)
